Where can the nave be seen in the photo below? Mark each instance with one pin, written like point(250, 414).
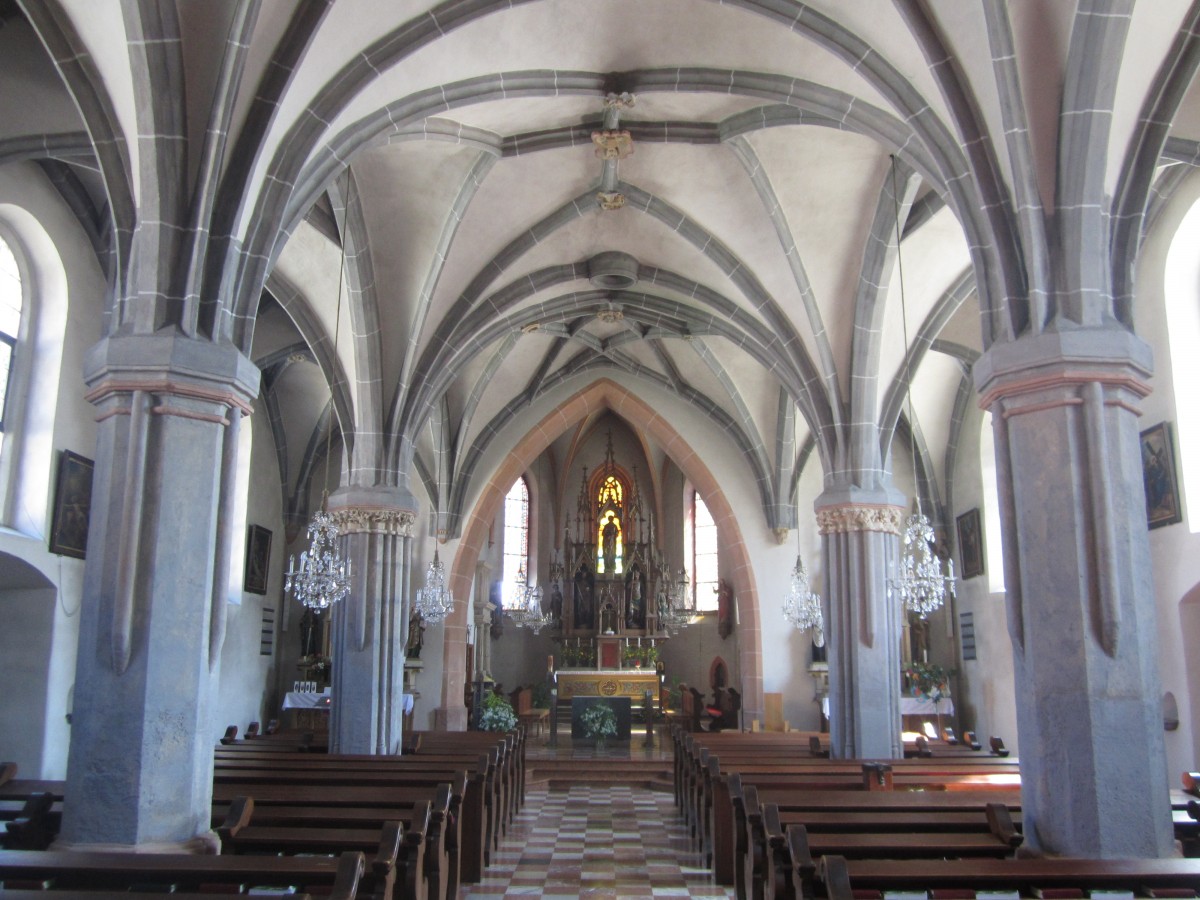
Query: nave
point(597, 841)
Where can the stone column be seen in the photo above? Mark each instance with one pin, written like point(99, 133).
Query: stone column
point(370, 627)
point(483, 622)
point(1079, 592)
point(860, 539)
point(140, 767)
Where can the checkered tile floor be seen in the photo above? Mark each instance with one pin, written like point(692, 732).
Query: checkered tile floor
point(602, 842)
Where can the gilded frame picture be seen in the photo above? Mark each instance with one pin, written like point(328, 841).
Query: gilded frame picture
point(970, 543)
point(258, 559)
point(1159, 476)
point(72, 505)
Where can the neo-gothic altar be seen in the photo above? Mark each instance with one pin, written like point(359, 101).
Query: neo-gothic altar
point(613, 587)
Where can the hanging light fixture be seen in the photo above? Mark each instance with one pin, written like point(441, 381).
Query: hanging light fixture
point(675, 609)
point(802, 606)
point(323, 577)
point(525, 604)
point(920, 582)
point(433, 600)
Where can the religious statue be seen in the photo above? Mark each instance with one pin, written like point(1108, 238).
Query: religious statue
point(556, 602)
point(724, 609)
point(310, 634)
point(635, 610)
point(609, 533)
point(416, 635)
point(584, 581)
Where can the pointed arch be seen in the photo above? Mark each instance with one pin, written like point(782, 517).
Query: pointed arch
point(599, 395)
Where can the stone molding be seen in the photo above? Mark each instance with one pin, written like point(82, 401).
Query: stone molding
point(1067, 384)
point(166, 387)
point(852, 517)
point(374, 520)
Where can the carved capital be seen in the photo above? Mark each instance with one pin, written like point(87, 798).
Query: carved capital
point(852, 517)
point(374, 520)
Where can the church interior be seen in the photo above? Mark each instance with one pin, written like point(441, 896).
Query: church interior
point(761, 361)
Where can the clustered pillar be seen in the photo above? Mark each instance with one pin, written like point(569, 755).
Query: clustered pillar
point(370, 627)
point(860, 536)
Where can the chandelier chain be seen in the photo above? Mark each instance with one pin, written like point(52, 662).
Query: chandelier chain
point(920, 583)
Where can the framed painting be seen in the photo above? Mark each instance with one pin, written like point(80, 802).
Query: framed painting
point(1158, 475)
point(72, 505)
point(970, 543)
point(258, 558)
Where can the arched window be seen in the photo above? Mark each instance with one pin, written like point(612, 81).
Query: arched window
point(516, 537)
point(993, 537)
point(700, 548)
point(610, 529)
point(1181, 278)
point(11, 302)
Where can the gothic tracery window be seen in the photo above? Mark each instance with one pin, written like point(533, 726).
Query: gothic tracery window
point(610, 532)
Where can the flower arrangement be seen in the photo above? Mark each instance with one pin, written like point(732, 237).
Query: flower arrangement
point(497, 715)
point(599, 722)
point(928, 680)
point(573, 657)
point(641, 656)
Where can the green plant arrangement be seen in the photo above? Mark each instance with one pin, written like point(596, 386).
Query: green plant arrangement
point(929, 680)
point(599, 723)
point(540, 696)
point(497, 715)
point(640, 656)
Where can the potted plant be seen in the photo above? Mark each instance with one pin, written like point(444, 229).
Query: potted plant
point(599, 723)
point(497, 715)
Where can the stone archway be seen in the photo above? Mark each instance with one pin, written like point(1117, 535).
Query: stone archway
point(600, 395)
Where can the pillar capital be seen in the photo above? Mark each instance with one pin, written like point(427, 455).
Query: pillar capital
point(372, 511)
point(849, 517)
point(189, 376)
point(1048, 370)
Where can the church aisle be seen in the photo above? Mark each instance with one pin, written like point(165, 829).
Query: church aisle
point(597, 841)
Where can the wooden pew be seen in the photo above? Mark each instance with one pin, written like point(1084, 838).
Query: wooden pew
point(757, 842)
point(341, 877)
point(779, 851)
point(838, 878)
point(431, 835)
point(717, 818)
point(396, 852)
point(476, 804)
point(35, 824)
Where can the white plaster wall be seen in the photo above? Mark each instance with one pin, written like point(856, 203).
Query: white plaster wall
point(60, 261)
point(246, 689)
point(1174, 549)
point(985, 700)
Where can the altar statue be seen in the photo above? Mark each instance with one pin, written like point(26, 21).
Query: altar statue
point(609, 535)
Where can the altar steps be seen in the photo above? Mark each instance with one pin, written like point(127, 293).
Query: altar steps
point(617, 764)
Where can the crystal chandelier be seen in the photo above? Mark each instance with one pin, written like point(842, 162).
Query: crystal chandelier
point(525, 605)
point(920, 583)
point(323, 577)
point(434, 601)
point(802, 606)
point(675, 613)
point(922, 586)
